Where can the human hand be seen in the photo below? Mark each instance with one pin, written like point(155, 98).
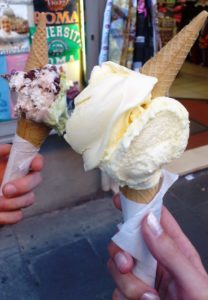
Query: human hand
point(180, 273)
point(18, 193)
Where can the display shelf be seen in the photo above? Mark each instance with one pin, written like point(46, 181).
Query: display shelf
point(7, 130)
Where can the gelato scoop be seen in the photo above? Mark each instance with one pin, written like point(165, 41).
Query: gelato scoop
point(41, 95)
point(117, 126)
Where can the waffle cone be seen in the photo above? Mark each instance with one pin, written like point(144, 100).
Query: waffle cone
point(31, 131)
point(38, 56)
point(168, 61)
point(140, 196)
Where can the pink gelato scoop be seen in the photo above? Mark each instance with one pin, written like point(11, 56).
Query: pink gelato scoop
point(36, 91)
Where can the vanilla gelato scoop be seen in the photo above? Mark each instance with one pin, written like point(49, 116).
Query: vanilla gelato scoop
point(41, 95)
point(118, 127)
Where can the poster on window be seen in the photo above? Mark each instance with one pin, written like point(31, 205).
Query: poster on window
point(63, 29)
point(14, 28)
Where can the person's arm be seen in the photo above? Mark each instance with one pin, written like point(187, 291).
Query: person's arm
point(180, 273)
point(18, 194)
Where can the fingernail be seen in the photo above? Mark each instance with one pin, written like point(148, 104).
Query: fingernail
point(120, 260)
point(10, 190)
point(150, 296)
point(154, 225)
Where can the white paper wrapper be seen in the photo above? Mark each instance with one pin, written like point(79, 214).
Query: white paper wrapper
point(20, 158)
point(129, 237)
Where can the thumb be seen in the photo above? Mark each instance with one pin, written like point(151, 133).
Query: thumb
point(167, 253)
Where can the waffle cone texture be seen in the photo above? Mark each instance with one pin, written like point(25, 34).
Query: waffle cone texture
point(31, 131)
point(140, 196)
point(166, 64)
point(38, 56)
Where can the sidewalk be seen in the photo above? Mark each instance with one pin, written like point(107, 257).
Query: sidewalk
point(62, 255)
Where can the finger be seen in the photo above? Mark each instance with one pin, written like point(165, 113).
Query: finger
point(4, 150)
point(163, 280)
point(2, 169)
point(10, 217)
point(128, 284)
point(167, 253)
point(124, 262)
point(172, 228)
point(174, 231)
point(117, 295)
point(37, 163)
point(17, 203)
point(116, 201)
point(22, 185)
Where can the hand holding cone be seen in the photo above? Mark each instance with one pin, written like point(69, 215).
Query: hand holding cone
point(29, 135)
point(165, 65)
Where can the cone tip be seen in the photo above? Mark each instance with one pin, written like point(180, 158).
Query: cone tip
point(42, 20)
point(204, 12)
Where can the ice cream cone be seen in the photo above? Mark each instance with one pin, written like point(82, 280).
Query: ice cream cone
point(166, 64)
point(29, 135)
point(33, 132)
point(137, 203)
point(140, 196)
point(38, 56)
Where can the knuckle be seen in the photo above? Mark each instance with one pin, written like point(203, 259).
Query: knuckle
point(40, 177)
point(168, 250)
point(131, 290)
point(19, 216)
point(26, 200)
point(30, 198)
point(15, 218)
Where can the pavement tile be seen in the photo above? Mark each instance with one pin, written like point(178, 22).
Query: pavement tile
point(203, 180)
point(172, 202)
point(201, 211)
point(73, 272)
point(49, 231)
point(63, 254)
point(9, 245)
point(193, 227)
point(45, 232)
point(100, 238)
point(191, 192)
point(16, 282)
